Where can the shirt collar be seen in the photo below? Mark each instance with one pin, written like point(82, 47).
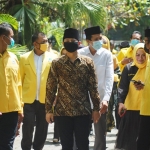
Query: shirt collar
point(6, 53)
point(66, 58)
point(38, 55)
point(97, 52)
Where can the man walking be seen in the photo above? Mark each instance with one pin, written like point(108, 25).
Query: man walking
point(10, 90)
point(73, 78)
point(104, 70)
point(34, 67)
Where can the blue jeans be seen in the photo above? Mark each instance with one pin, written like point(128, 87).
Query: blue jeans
point(8, 127)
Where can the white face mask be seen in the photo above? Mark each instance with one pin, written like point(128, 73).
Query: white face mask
point(97, 44)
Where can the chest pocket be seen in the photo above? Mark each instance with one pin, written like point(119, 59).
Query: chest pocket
point(12, 74)
point(11, 71)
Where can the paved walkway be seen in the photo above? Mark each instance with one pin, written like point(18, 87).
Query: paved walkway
point(50, 146)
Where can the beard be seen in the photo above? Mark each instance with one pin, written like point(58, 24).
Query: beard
point(146, 50)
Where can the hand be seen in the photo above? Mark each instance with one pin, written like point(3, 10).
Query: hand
point(103, 106)
point(121, 107)
point(126, 61)
point(50, 117)
point(20, 117)
point(139, 86)
point(95, 116)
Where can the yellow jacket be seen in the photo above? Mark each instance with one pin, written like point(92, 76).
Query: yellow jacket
point(145, 102)
point(29, 78)
point(10, 83)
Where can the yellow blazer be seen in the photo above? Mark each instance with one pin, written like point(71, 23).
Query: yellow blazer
point(29, 78)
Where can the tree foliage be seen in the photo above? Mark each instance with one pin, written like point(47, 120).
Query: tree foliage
point(74, 13)
point(9, 19)
point(123, 12)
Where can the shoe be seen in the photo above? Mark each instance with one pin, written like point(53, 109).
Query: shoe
point(55, 140)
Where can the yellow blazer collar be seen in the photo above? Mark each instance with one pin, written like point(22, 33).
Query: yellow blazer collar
point(31, 61)
point(45, 61)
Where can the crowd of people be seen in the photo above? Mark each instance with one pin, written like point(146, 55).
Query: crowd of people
point(73, 89)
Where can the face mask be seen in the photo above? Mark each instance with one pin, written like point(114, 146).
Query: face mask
point(71, 46)
point(12, 43)
point(134, 42)
point(97, 44)
point(44, 47)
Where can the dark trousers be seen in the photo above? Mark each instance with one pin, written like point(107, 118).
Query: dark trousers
point(143, 141)
point(32, 112)
point(118, 118)
point(74, 126)
point(8, 128)
point(56, 130)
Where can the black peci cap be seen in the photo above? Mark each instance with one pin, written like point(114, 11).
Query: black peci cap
point(71, 33)
point(92, 30)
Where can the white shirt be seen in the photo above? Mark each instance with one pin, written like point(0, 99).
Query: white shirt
point(103, 62)
point(38, 60)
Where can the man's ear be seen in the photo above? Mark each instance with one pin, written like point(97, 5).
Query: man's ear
point(63, 43)
point(88, 41)
point(34, 43)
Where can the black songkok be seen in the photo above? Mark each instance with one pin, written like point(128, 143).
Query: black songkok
point(92, 30)
point(124, 44)
point(71, 33)
point(147, 32)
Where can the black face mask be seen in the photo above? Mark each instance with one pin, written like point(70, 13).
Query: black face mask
point(146, 50)
point(71, 46)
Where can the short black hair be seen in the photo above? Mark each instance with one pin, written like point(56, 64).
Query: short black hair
point(88, 37)
point(4, 29)
point(136, 32)
point(36, 35)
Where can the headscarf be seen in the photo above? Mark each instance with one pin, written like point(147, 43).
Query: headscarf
point(141, 72)
point(133, 98)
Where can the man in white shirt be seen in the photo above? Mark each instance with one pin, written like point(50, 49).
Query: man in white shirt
point(34, 69)
point(104, 69)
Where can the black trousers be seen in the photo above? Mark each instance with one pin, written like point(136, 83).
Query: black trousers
point(8, 128)
point(56, 130)
point(32, 112)
point(143, 141)
point(74, 126)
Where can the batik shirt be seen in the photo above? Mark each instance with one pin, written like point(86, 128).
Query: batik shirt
point(73, 82)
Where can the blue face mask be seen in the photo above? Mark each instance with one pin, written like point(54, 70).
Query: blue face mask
point(12, 43)
point(134, 42)
point(97, 44)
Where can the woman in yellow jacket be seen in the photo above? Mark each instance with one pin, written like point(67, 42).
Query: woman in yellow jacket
point(129, 99)
point(143, 141)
